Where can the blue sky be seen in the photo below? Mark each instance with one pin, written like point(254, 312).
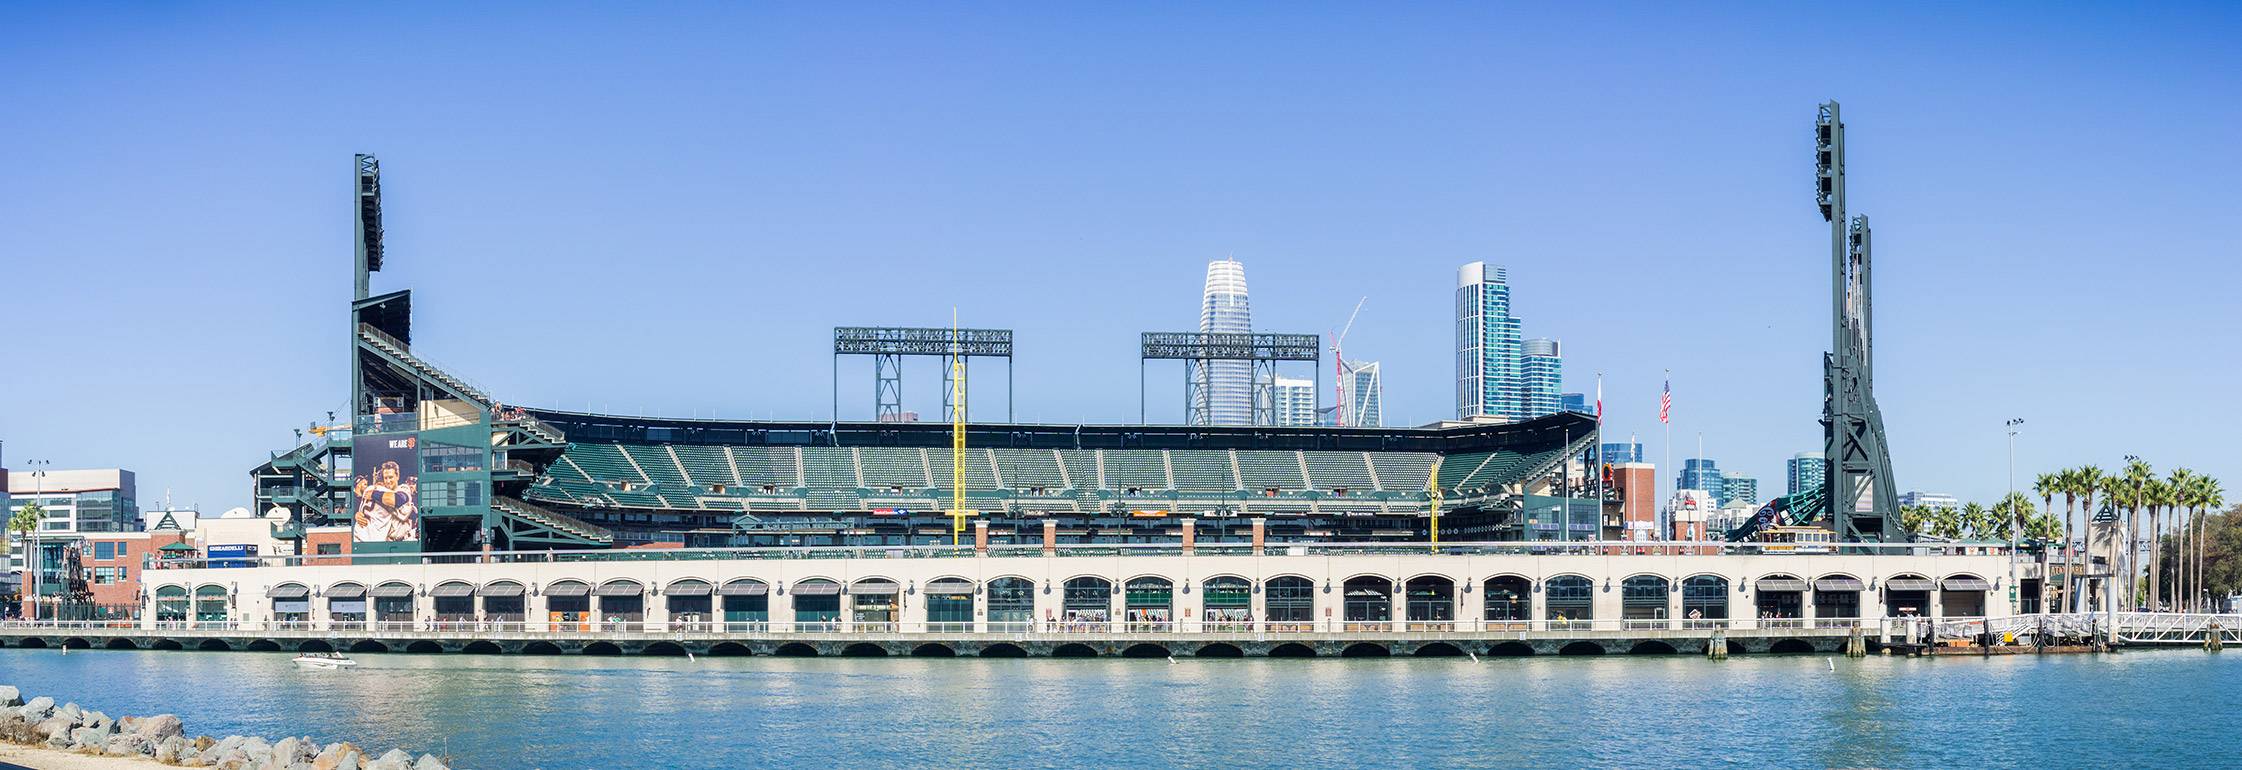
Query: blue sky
point(665, 210)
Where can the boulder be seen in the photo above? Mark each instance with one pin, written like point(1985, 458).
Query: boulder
point(170, 749)
point(430, 762)
point(128, 745)
point(89, 738)
point(38, 709)
point(332, 757)
point(71, 710)
point(10, 697)
point(159, 727)
point(285, 750)
point(55, 725)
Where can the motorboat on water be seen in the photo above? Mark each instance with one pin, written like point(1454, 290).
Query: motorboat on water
point(327, 660)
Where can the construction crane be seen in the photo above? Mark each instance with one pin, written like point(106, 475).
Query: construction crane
point(1339, 368)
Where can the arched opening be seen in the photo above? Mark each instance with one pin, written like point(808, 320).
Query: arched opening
point(210, 604)
point(264, 645)
point(424, 647)
point(346, 606)
point(1908, 596)
point(502, 602)
point(120, 643)
point(1439, 650)
point(453, 603)
point(291, 604)
point(369, 645)
point(1837, 598)
point(1219, 650)
point(1571, 602)
point(1652, 647)
point(1086, 603)
point(1074, 650)
point(1228, 600)
point(159, 644)
point(75, 643)
point(1737, 648)
point(730, 650)
point(393, 604)
point(1430, 601)
point(1704, 601)
point(33, 644)
point(1149, 604)
point(568, 604)
point(931, 650)
point(1145, 650)
point(214, 645)
point(1779, 601)
point(1365, 650)
point(691, 603)
point(1962, 596)
point(1011, 606)
point(873, 604)
point(817, 605)
point(622, 604)
point(1581, 648)
point(1511, 650)
point(602, 648)
point(949, 606)
point(1368, 603)
point(1292, 650)
point(795, 650)
point(1790, 647)
point(864, 650)
point(1003, 650)
point(1642, 601)
point(315, 645)
point(482, 647)
point(172, 605)
point(671, 649)
point(1290, 603)
point(747, 605)
point(1509, 604)
point(541, 648)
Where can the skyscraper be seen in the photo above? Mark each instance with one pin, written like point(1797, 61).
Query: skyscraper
point(1293, 401)
point(1224, 388)
point(1615, 453)
point(1701, 474)
point(1541, 375)
point(1488, 366)
point(1366, 395)
point(1803, 472)
point(1738, 488)
point(1577, 403)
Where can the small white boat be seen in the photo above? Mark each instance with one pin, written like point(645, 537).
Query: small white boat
point(328, 660)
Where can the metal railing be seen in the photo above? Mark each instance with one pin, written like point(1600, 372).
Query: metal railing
point(454, 629)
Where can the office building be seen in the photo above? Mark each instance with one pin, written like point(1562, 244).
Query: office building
point(1804, 472)
point(1737, 488)
point(1700, 474)
point(1366, 396)
point(1937, 500)
point(1224, 392)
point(1293, 401)
point(1542, 372)
point(73, 502)
point(1617, 453)
point(1489, 375)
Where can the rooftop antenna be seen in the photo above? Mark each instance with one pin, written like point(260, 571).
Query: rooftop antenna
point(1339, 368)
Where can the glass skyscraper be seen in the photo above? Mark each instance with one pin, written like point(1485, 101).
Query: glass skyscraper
point(1365, 396)
point(1294, 401)
point(1698, 473)
point(1803, 472)
point(1488, 358)
point(1736, 487)
point(1225, 388)
point(1542, 371)
point(1620, 452)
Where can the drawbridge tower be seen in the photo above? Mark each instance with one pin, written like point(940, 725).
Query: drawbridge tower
point(1863, 503)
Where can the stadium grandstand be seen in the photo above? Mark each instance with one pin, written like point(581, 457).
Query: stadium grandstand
point(429, 462)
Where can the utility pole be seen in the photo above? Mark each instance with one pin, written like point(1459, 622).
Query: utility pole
point(31, 539)
point(2013, 516)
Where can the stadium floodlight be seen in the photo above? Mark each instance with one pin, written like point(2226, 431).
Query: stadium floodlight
point(1200, 348)
point(887, 345)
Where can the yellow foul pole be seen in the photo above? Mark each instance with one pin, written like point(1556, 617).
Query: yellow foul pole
point(957, 434)
point(1432, 490)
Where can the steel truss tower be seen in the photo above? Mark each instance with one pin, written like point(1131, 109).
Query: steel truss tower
point(1863, 502)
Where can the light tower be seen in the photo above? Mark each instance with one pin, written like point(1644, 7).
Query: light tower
point(1861, 497)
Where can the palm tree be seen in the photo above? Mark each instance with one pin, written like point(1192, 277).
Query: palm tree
point(2136, 479)
point(2158, 495)
point(2209, 497)
point(2088, 480)
point(2047, 485)
point(26, 525)
point(2180, 497)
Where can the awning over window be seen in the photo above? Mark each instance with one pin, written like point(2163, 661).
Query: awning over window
point(744, 588)
point(949, 587)
point(288, 591)
point(454, 590)
point(1909, 584)
point(392, 591)
point(690, 587)
point(816, 588)
point(568, 588)
point(1779, 583)
point(620, 588)
point(501, 588)
point(346, 591)
point(1967, 583)
point(1839, 583)
point(880, 587)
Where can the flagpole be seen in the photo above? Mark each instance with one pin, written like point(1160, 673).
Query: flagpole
point(1601, 461)
point(1667, 457)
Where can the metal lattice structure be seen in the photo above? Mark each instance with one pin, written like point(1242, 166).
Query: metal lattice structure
point(888, 345)
point(1198, 349)
point(1862, 500)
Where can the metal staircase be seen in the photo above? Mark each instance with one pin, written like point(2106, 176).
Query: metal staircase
point(398, 351)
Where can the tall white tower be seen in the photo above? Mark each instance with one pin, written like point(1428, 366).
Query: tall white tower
point(1225, 388)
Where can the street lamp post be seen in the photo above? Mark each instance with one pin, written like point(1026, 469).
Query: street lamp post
point(2013, 518)
point(31, 539)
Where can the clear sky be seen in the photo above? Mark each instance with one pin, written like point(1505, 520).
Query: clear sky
point(665, 209)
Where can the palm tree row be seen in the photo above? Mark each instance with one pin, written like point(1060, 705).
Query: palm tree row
point(2131, 492)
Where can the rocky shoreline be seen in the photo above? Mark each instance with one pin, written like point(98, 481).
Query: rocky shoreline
point(40, 723)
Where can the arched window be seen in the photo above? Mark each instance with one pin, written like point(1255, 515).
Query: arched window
point(210, 604)
point(1430, 603)
point(1704, 598)
point(1368, 603)
point(1149, 602)
point(1011, 604)
point(1508, 600)
point(817, 605)
point(949, 605)
point(1290, 601)
point(172, 604)
point(1229, 603)
point(747, 604)
point(1571, 599)
point(1643, 597)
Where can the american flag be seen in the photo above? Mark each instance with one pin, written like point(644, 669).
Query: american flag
point(1666, 403)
